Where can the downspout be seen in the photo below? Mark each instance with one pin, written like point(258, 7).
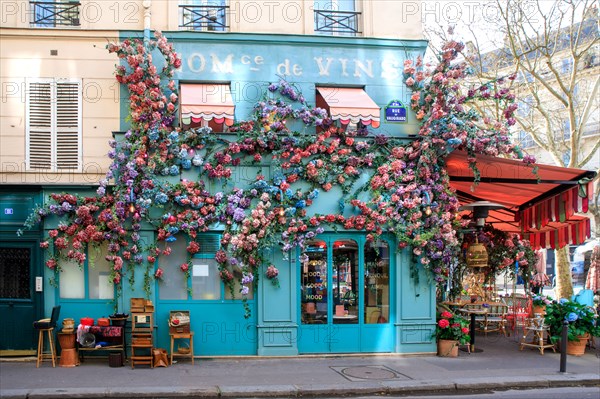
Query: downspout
point(147, 19)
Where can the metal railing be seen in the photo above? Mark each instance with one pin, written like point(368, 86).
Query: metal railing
point(203, 18)
point(51, 14)
point(331, 22)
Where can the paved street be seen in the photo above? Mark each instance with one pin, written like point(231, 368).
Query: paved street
point(500, 366)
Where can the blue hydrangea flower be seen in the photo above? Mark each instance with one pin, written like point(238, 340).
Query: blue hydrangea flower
point(571, 317)
point(161, 198)
point(174, 170)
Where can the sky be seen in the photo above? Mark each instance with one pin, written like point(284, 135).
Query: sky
point(481, 19)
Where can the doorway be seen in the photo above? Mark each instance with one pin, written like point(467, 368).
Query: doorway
point(20, 304)
point(345, 296)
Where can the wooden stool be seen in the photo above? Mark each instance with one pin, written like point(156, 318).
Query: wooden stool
point(190, 336)
point(41, 354)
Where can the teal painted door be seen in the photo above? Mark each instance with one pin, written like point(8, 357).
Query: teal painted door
point(345, 296)
point(20, 304)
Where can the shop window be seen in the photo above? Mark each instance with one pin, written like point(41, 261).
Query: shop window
point(173, 284)
point(53, 124)
point(96, 271)
point(377, 282)
point(314, 283)
point(206, 283)
point(345, 282)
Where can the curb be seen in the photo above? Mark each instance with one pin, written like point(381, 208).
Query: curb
point(461, 385)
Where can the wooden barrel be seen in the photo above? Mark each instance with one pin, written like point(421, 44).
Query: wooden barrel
point(68, 358)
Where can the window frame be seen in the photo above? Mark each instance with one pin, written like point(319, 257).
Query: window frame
point(85, 269)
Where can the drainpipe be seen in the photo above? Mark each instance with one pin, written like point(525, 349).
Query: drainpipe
point(146, 4)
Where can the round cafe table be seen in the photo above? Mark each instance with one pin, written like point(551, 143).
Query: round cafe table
point(473, 313)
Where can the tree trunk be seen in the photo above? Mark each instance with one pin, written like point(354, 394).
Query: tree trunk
point(564, 283)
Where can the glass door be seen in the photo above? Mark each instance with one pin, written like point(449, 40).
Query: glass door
point(345, 296)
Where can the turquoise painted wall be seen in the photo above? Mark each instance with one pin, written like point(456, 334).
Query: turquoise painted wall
point(250, 62)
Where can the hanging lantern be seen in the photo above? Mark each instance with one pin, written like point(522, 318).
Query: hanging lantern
point(477, 255)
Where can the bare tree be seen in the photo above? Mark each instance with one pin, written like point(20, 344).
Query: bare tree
point(553, 49)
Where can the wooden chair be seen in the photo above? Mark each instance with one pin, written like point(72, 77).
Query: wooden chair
point(46, 326)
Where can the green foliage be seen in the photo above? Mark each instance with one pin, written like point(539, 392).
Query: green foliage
point(582, 319)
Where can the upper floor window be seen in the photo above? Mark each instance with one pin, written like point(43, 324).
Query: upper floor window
point(337, 18)
point(566, 65)
point(49, 14)
point(53, 124)
point(526, 140)
point(566, 129)
point(203, 15)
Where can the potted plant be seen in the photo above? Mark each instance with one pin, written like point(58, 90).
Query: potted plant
point(450, 332)
point(582, 323)
point(539, 303)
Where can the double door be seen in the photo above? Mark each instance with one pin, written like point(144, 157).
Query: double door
point(345, 296)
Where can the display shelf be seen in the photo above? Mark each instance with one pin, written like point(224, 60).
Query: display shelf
point(113, 336)
point(142, 338)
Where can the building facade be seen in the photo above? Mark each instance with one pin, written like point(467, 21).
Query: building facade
point(61, 106)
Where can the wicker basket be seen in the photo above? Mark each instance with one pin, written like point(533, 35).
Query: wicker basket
point(179, 322)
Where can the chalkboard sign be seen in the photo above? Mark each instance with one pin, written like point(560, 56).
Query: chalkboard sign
point(395, 112)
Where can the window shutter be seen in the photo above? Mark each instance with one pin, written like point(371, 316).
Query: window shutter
point(39, 125)
point(68, 125)
point(54, 124)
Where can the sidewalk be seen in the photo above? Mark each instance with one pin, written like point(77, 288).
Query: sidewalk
point(500, 366)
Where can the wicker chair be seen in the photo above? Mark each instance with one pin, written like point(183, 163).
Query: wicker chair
point(495, 318)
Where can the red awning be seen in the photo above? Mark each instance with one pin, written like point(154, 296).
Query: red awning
point(542, 206)
point(206, 101)
point(349, 105)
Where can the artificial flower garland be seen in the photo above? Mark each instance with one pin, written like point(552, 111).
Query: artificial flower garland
point(408, 192)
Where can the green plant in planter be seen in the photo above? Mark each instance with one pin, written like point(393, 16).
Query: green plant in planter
point(582, 320)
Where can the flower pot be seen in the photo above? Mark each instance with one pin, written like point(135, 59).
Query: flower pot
point(577, 348)
point(447, 348)
point(539, 309)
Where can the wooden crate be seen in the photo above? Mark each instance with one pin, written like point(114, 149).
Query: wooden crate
point(179, 321)
point(137, 305)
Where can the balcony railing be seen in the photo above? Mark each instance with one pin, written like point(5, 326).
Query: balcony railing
point(203, 18)
point(344, 23)
point(47, 14)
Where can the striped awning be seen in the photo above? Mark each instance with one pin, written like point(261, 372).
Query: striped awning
point(206, 101)
point(546, 206)
point(349, 105)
